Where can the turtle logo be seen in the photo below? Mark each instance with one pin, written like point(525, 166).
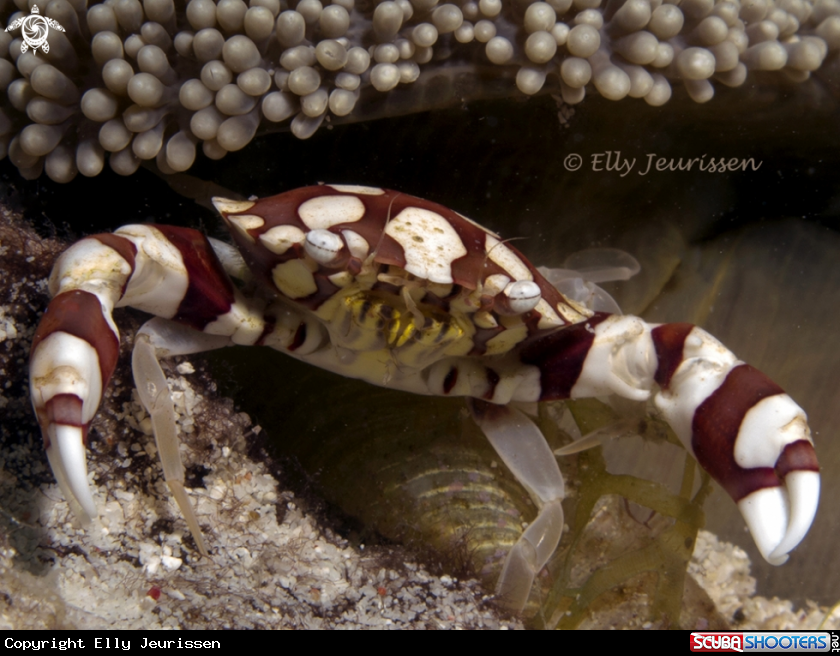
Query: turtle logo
point(34, 30)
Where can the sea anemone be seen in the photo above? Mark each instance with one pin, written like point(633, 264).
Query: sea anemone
point(154, 79)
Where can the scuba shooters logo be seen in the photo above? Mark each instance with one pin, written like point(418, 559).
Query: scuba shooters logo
point(753, 641)
point(34, 30)
point(717, 642)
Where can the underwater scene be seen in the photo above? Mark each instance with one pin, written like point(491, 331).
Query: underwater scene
point(698, 139)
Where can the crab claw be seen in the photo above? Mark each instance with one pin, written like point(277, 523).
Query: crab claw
point(74, 351)
point(746, 432)
point(779, 517)
point(774, 447)
point(758, 447)
point(65, 382)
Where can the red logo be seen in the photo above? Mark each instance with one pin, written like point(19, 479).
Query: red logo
point(717, 642)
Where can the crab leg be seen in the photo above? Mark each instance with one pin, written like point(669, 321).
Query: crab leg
point(522, 447)
point(171, 272)
point(161, 338)
point(739, 425)
point(74, 352)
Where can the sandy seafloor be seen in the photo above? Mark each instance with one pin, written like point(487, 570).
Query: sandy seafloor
point(275, 563)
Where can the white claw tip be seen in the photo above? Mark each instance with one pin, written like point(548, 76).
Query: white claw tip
point(804, 494)
point(67, 459)
point(779, 517)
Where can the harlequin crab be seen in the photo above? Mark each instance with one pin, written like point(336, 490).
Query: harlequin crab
point(405, 293)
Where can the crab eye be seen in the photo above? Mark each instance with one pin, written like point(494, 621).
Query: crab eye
point(523, 296)
point(323, 246)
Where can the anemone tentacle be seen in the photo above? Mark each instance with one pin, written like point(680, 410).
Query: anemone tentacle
point(159, 79)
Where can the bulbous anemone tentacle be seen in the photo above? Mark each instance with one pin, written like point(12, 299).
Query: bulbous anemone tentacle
point(160, 84)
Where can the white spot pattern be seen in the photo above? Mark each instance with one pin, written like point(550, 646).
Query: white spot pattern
point(495, 283)
point(294, 279)
point(245, 222)
point(323, 212)
point(429, 242)
point(549, 318)
point(227, 206)
point(358, 189)
point(356, 243)
point(507, 259)
point(281, 238)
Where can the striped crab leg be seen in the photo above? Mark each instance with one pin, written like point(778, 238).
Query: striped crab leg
point(74, 352)
point(167, 271)
point(741, 427)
